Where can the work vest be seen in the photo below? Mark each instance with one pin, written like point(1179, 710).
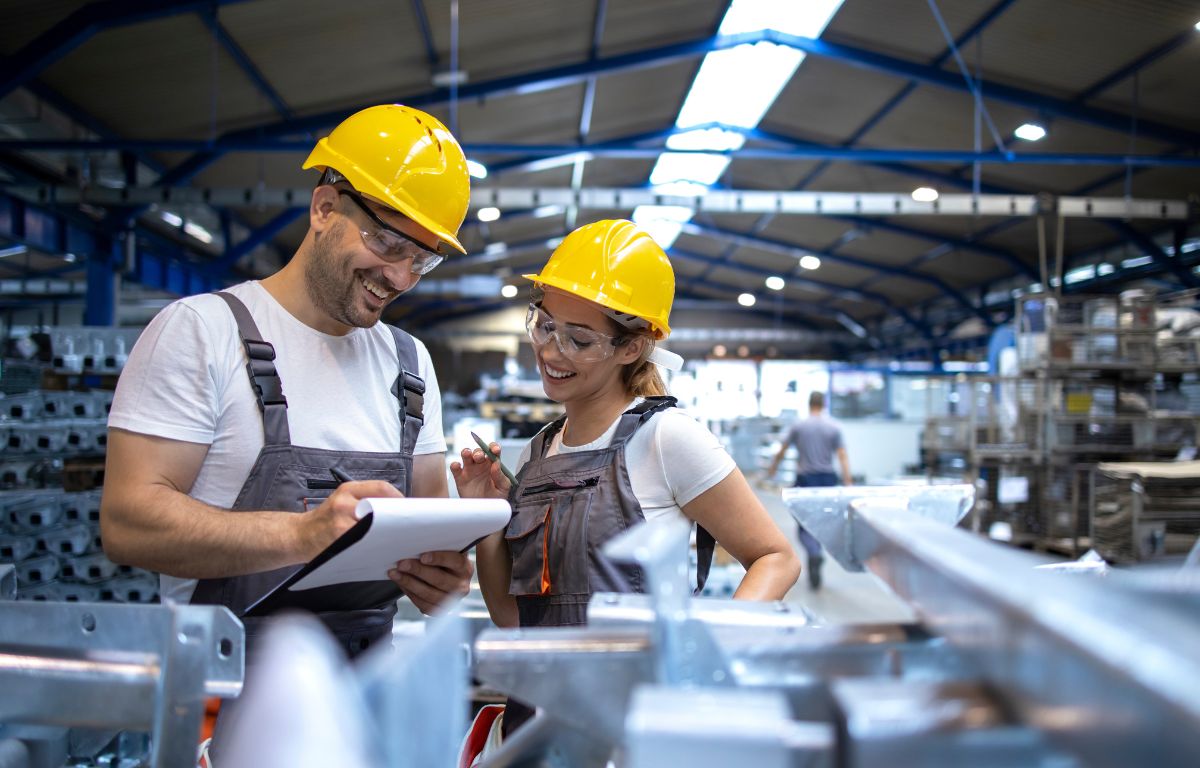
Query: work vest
point(565, 508)
point(293, 478)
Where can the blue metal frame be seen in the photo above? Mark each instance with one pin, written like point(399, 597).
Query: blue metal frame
point(244, 62)
point(280, 222)
point(799, 151)
point(975, 29)
point(840, 291)
point(71, 32)
point(936, 282)
point(577, 73)
point(431, 54)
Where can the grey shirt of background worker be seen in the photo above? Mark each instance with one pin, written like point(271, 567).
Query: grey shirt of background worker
point(817, 439)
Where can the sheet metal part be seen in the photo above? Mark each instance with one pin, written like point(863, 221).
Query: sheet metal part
point(825, 512)
point(721, 726)
point(1106, 674)
point(935, 724)
point(140, 667)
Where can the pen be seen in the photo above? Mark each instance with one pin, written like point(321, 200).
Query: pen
point(340, 476)
point(493, 457)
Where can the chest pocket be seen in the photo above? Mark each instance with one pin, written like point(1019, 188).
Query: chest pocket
point(548, 539)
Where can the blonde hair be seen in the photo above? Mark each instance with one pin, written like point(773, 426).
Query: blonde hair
point(641, 377)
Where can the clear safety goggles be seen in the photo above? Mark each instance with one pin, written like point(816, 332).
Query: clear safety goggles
point(384, 240)
point(577, 343)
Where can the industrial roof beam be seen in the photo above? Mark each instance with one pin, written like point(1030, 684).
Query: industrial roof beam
point(936, 76)
point(244, 62)
point(56, 42)
point(234, 253)
point(578, 73)
point(839, 291)
point(945, 243)
point(431, 54)
point(621, 150)
point(791, 248)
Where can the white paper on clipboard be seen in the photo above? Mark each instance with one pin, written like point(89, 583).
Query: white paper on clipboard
point(404, 528)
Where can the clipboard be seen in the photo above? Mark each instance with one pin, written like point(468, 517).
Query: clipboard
point(351, 573)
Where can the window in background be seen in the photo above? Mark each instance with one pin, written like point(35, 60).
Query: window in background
point(910, 397)
point(786, 385)
point(726, 389)
point(858, 395)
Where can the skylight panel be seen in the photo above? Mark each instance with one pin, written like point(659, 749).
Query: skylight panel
point(662, 222)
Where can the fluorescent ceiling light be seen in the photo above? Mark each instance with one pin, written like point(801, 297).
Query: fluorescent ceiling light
point(738, 85)
point(555, 161)
point(775, 283)
point(544, 211)
point(734, 87)
point(508, 291)
point(851, 325)
point(1105, 269)
point(69, 258)
point(1140, 261)
point(495, 249)
point(477, 170)
point(810, 262)
point(1030, 132)
point(746, 299)
point(171, 218)
point(490, 213)
point(1079, 274)
point(695, 168)
point(14, 250)
point(198, 232)
point(716, 139)
point(924, 194)
point(804, 19)
point(662, 222)
point(1198, 26)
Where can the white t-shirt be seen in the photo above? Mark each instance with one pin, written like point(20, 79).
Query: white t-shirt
point(186, 380)
point(671, 458)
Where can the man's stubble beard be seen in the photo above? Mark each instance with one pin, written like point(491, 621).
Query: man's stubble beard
point(332, 283)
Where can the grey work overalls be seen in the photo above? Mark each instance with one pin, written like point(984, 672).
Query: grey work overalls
point(289, 477)
point(565, 507)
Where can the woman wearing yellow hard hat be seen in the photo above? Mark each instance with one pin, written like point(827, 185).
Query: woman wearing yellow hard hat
point(622, 455)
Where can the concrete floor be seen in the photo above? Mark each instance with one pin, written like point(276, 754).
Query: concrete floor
point(843, 597)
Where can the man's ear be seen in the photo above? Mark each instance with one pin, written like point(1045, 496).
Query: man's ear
point(320, 210)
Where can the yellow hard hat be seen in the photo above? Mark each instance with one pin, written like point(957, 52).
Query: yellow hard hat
point(406, 159)
point(618, 265)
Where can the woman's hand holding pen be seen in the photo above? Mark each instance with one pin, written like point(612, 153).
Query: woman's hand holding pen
point(478, 477)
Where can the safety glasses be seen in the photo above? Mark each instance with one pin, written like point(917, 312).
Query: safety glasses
point(391, 244)
point(578, 343)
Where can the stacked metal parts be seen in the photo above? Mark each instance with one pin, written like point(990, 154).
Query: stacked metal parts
point(1096, 379)
point(1011, 663)
point(90, 684)
point(53, 417)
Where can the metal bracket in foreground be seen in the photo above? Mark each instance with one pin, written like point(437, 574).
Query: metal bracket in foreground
point(686, 653)
point(828, 513)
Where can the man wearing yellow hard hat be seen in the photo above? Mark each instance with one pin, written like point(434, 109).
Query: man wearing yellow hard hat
point(248, 423)
point(622, 455)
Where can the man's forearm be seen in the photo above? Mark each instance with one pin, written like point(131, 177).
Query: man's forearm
point(164, 530)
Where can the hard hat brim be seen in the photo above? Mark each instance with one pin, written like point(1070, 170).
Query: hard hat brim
point(660, 330)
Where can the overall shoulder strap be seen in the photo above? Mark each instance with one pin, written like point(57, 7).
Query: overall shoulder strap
point(541, 441)
point(264, 379)
point(630, 421)
point(639, 415)
point(409, 389)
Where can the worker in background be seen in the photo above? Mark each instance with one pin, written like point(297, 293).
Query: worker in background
point(817, 439)
point(239, 414)
point(622, 455)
